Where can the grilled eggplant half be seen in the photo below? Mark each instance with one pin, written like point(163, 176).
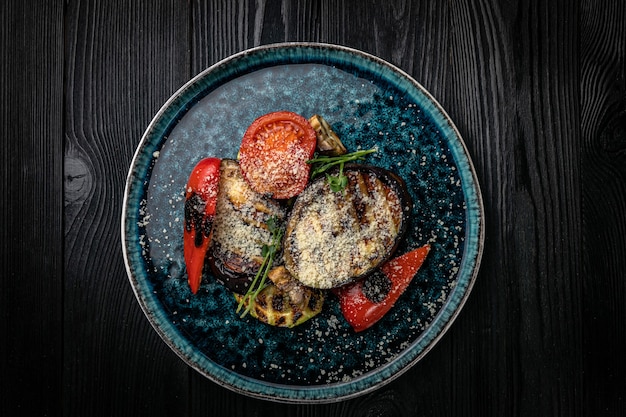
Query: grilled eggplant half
point(332, 238)
point(240, 228)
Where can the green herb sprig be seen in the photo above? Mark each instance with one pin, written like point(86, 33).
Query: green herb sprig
point(269, 253)
point(321, 164)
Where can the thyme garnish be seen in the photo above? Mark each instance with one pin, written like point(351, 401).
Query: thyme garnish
point(269, 253)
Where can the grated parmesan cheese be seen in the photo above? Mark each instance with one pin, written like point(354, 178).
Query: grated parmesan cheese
point(333, 237)
point(239, 228)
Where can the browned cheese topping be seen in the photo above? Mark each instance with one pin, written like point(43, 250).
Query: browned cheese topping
point(332, 237)
point(240, 226)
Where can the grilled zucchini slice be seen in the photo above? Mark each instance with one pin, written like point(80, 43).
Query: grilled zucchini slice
point(274, 306)
point(328, 143)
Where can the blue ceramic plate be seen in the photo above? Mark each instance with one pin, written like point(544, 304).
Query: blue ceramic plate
point(369, 103)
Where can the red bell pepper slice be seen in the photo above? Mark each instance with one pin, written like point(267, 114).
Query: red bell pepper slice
point(200, 202)
point(360, 311)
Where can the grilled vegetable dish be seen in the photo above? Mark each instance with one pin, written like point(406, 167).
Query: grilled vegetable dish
point(294, 217)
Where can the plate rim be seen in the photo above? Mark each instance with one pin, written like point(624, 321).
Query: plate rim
point(324, 393)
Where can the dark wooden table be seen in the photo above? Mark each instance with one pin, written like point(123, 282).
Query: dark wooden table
point(537, 89)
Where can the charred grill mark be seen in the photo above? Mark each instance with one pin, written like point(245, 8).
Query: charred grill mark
point(353, 206)
point(259, 224)
point(198, 238)
point(360, 209)
point(376, 287)
point(314, 300)
point(261, 313)
point(297, 315)
point(278, 303)
point(262, 301)
point(366, 190)
point(275, 307)
point(195, 218)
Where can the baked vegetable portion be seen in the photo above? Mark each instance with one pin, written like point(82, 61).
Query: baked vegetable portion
point(275, 306)
point(240, 228)
point(274, 152)
point(200, 199)
point(328, 143)
point(365, 302)
point(332, 238)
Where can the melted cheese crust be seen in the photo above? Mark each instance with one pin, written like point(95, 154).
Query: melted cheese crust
point(332, 237)
point(240, 225)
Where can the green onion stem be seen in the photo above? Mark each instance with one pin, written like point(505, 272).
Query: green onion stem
point(323, 163)
point(326, 162)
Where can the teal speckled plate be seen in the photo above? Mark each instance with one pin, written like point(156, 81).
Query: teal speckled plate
point(369, 103)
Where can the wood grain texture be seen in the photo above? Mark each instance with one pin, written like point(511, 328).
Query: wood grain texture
point(123, 61)
point(515, 97)
point(537, 90)
point(31, 283)
point(603, 184)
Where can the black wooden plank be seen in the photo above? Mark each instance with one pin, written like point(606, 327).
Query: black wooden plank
point(123, 60)
point(31, 123)
point(603, 185)
point(222, 28)
point(514, 94)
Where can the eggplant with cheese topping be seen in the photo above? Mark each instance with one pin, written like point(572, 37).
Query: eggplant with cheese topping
point(240, 228)
point(334, 237)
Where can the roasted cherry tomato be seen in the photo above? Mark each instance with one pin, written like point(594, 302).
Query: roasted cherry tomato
point(365, 302)
point(274, 154)
point(200, 200)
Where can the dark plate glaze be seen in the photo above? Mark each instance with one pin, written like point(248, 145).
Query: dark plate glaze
point(369, 103)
